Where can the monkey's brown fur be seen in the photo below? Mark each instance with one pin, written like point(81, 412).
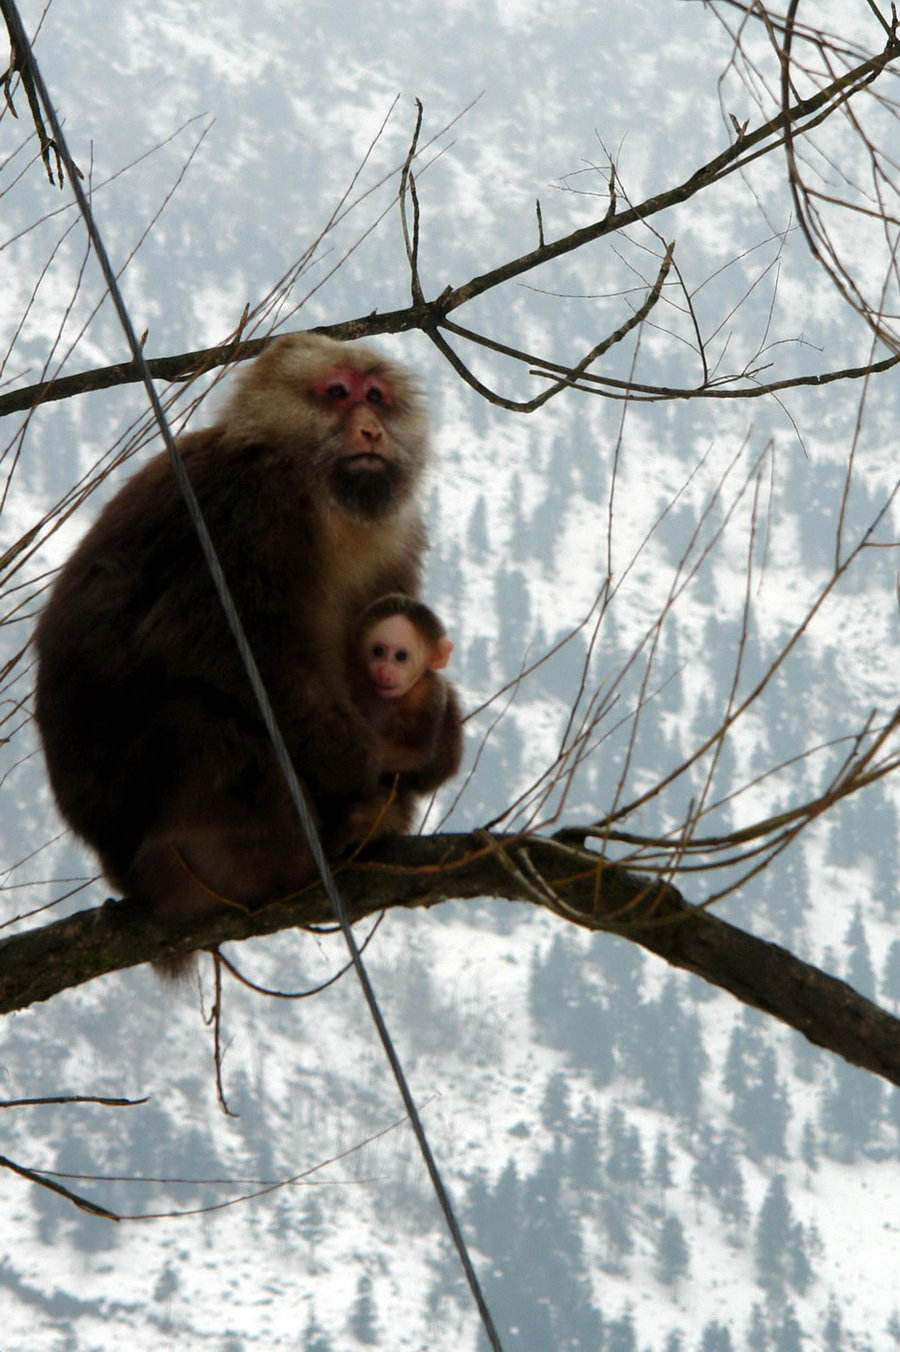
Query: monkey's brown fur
point(155, 749)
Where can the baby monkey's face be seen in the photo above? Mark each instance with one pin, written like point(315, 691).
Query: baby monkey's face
point(396, 655)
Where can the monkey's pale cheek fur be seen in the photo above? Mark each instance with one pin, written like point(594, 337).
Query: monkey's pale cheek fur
point(153, 741)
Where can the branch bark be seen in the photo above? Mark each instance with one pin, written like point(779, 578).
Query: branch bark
point(577, 884)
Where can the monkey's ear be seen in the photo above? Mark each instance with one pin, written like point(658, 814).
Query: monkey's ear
point(440, 654)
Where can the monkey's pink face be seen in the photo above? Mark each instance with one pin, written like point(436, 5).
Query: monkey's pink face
point(358, 400)
point(344, 384)
point(396, 655)
point(367, 438)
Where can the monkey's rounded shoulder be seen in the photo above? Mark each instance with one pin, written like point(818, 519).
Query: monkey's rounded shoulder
point(221, 469)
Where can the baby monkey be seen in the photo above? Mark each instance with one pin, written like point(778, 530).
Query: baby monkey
point(401, 646)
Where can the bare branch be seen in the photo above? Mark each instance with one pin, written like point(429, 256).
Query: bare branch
point(18, 66)
point(794, 121)
point(576, 883)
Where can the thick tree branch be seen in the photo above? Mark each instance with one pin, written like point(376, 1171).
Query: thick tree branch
point(575, 883)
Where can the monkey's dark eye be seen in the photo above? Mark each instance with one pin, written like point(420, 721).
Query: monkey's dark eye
point(337, 391)
point(402, 655)
point(375, 389)
point(378, 650)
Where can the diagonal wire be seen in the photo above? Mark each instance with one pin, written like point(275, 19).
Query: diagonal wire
point(23, 50)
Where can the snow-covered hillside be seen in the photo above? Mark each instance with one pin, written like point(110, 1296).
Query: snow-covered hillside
point(639, 1164)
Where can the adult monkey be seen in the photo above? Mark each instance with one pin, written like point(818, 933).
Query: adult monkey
point(154, 744)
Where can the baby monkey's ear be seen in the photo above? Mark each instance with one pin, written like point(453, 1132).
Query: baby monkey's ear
point(440, 654)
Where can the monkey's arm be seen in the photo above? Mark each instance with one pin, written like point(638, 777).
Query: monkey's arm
point(434, 751)
point(333, 748)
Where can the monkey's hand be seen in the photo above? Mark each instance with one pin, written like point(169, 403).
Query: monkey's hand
point(335, 751)
point(389, 813)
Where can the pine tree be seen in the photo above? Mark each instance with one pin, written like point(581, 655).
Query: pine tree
point(478, 670)
point(703, 1168)
point(758, 1331)
point(521, 549)
point(625, 1155)
point(513, 611)
point(544, 985)
point(672, 1253)
point(788, 1336)
point(768, 1109)
point(850, 1109)
point(315, 1339)
point(567, 1011)
point(783, 1244)
point(362, 1320)
point(761, 1108)
point(860, 973)
point(311, 1223)
point(477, 537)
point(662, 1166)
point(833, 1332)
point(890, 978)
point(619, 1243)
point(620, 1335)
point(494, 1214)
point(809, 1148)
point(785, 884)
point(807, 1059)
point(622, 965)
point(166, 1283)
point(583, 1153)
point(728, 1182)
point(773, 1235)
point(716, 1338)
point(733, 1071)
point(621, 968)
point(540, 1287)
point(800, 1273)
point(892, 1111)
point(668, 1053)
point(893, 1328)
point(555, 1109)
